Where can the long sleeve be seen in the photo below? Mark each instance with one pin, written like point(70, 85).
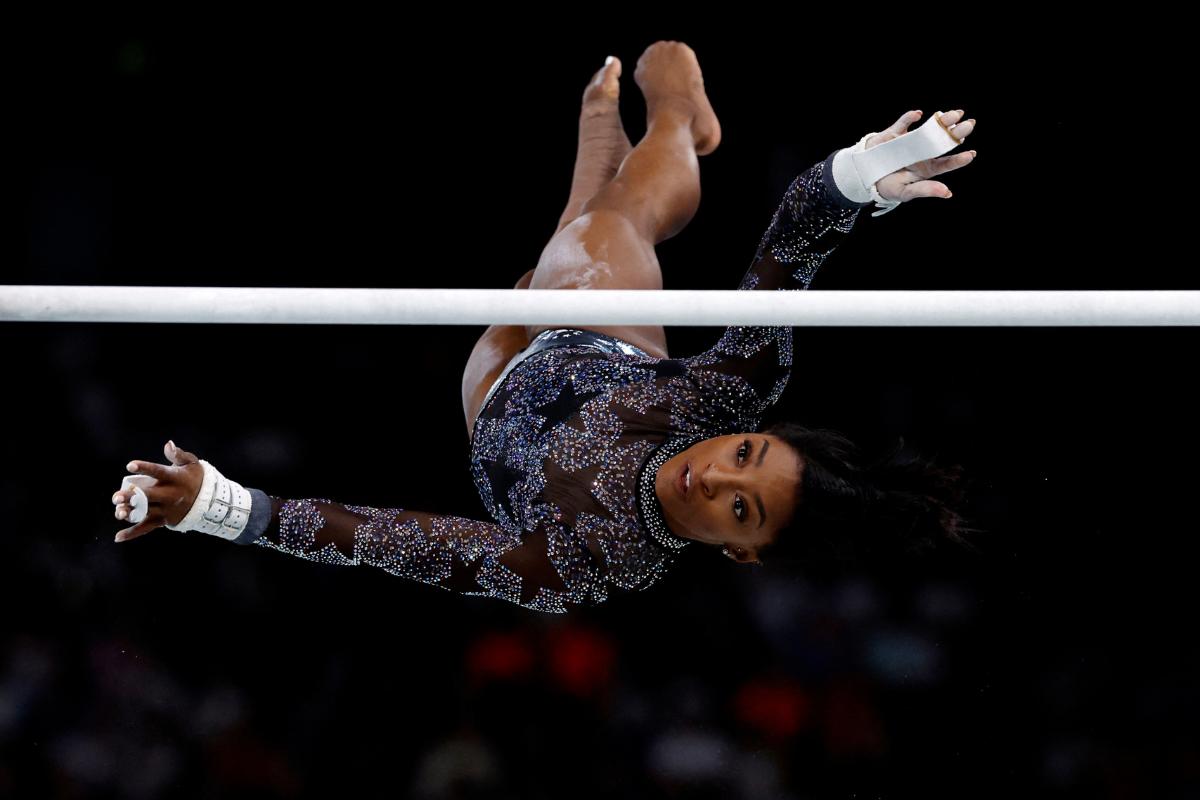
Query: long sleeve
point(753, 363)
point(458, 554)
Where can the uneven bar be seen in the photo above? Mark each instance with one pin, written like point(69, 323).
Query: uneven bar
point(567, 307)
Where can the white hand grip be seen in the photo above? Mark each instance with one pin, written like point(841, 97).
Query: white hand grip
point(139, 501)
point(856, 169)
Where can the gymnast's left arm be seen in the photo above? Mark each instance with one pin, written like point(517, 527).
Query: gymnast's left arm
point(821, 205)
point(814, 217)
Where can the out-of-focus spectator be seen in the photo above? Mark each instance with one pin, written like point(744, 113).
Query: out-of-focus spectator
point(500, 656)
point(461, 766)
point(776, 707)
point(581, 660)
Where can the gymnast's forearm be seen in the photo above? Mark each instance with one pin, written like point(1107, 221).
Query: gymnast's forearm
point(811, 220)
point(812, 198)
point(309, 528)
point(438, 549)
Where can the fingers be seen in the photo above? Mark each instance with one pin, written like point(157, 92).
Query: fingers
point(913, 181)
point(937, 166)
point(158, 471)
point(177, 456)
point(154, 516)
point(963, 129)
point(124, 507)
point(123, 498)
point(900, 126)
point(155, 495)
point(951, 121)
point(158, 493)
point(925, 189)
point(141, 529)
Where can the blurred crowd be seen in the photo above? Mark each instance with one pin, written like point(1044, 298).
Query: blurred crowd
point(531, 709)
point(183, 666)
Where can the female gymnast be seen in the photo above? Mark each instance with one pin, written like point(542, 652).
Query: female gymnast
point(597, 454)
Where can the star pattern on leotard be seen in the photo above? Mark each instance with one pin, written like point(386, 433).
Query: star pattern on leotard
point(564, 405)
point(566, 451)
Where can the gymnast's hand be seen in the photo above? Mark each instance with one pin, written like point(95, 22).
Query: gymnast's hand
point(171, 498)
point(913, 180)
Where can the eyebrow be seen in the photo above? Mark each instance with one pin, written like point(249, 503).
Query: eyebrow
point(762, 512)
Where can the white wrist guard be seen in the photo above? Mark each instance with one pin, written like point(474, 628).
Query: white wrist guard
point(222, 508)
point(857, 169)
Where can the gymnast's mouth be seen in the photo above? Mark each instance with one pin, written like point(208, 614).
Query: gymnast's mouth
point(684, 482)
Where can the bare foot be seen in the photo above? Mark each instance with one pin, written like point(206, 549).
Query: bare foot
point(604, 89)
point(600, 116)
point(603, 143)
point(668, 74)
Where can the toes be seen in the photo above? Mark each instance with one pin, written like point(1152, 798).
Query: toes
point(604, 89)
point(605, 84)
point(612, 76)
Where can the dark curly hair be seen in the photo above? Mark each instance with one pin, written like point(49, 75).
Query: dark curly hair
point(847, 511)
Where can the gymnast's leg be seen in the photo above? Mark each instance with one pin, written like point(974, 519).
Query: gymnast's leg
point(491, 354)
point(602, 146)
point(603, 143)
point(654, 194)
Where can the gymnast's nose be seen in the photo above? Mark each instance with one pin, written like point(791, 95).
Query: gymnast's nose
point(714, 479)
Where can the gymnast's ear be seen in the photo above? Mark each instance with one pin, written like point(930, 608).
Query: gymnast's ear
point(741, 555)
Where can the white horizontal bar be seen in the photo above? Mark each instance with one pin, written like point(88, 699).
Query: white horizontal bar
point(562, 307)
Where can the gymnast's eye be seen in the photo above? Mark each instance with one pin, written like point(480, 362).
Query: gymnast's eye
point(742, 456)
point(739, 509)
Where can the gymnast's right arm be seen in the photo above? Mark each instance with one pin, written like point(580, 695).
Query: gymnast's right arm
point(459, 554)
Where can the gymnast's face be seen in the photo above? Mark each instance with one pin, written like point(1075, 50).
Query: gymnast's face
point(742, 491)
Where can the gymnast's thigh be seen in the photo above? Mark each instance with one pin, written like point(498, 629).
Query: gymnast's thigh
point(491, 354)
point(602, 249)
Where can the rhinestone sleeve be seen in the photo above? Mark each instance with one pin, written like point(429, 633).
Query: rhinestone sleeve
point(457, 554)
point(746, 371)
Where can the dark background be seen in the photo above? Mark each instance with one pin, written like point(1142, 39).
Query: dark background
point(355, 152)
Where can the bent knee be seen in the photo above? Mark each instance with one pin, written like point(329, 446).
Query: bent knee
point(600, 249)
point(600, 222)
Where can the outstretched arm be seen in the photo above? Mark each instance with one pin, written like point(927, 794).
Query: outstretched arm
point(458, 554)
point(753, 362)
point(814, 217)
point(820, 206)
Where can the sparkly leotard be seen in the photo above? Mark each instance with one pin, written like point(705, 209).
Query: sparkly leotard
point(566, 449)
